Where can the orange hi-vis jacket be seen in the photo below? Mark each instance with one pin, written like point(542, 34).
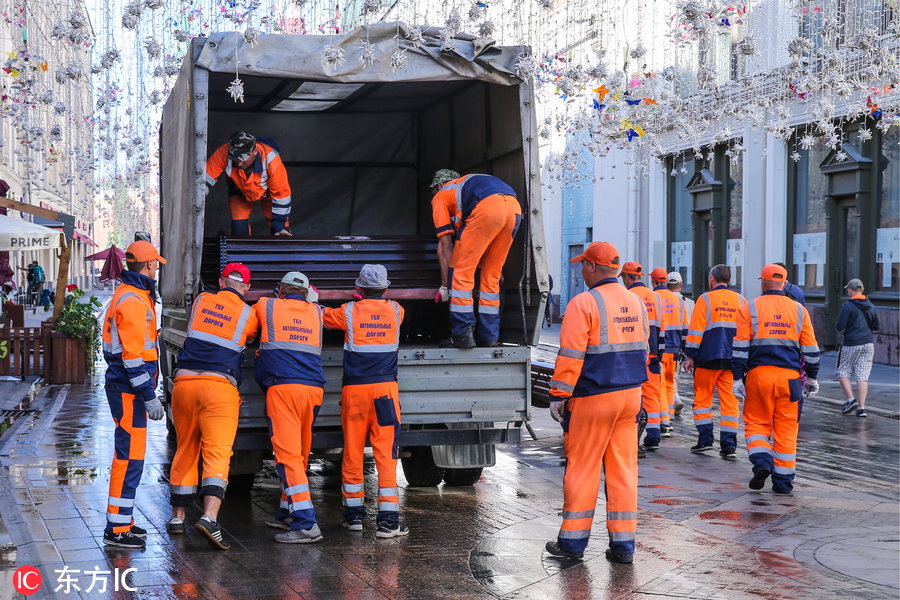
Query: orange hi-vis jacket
point(774, 330)
point(371, 339)
point(129, 338)
point(652, 306)
point(602, 344)
point(290, 343)
point(218, 331)
point(673, 320)
point(456, 200)
point(713, 325)
point(267, 177)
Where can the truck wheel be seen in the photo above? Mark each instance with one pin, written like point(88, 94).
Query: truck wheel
point(462, 476)
point(419, 467)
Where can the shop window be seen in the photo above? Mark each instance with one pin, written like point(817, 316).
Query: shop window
point(887, 243)
point(808, 239)
point(681, 235)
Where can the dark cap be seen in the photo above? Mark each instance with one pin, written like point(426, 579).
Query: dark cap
point(240, 146)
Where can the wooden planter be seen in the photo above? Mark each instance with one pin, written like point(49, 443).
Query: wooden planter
point(69, 359)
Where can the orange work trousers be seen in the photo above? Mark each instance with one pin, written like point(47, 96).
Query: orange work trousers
point(370, 410)
point(291, 409)
point(772, 422)
point(205, 412)
point(483, 243)
point(241, 209)
point(650, 397)
point(130, 417)
point(667, 383)
point(599, 433)
point(705, 382)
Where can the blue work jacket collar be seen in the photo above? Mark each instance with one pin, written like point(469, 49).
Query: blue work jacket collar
point(235, 292)
point(660, 287)
point(721, 286)
point(295, 297)
point(142, 282)
point(605, 282)
point(637, 284)
point(774, 293)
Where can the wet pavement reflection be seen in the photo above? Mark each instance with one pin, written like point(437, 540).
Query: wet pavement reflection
point(701, 532)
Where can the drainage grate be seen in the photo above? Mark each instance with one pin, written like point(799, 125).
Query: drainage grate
point(16, 413)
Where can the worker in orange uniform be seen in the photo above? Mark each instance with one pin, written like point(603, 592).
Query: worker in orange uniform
point(774, 339)
point(601, 365)
point(131, 353)
point(289, 370)
point(255, 174)
point(370, 400)
point(205, 400)
point(707, 352)
point(675, 284)
point(674, 324)
point(632, 272)
point(483, 214)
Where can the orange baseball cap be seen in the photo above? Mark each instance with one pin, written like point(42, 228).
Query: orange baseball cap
point(633, 268)
point(773, 273)
point(659, 274)
point(142, 252)
point(600, 253)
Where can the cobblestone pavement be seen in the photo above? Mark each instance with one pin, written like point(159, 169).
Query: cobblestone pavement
point(702, 533)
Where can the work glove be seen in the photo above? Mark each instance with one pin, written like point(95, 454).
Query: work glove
point(811, 387)
point(155, 409)
point(442, 295)
point(738, 388)
point(557, 409)
point(312, 294)
point(357, 296)
point(654, 366)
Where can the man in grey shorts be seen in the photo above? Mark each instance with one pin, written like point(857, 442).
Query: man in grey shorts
point(856, 321)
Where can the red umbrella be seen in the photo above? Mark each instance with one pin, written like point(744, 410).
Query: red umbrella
point(112, 267)
point(104, 254)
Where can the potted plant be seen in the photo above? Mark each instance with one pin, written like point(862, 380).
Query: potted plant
point(75, 338)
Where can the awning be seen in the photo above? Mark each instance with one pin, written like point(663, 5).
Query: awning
point(16, 234)
point(80, 236)
point(57, 225)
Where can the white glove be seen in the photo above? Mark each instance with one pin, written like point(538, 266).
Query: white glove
point(443, 294)
point(312, 294)
point(738, 388)
point(811, 387)
point(155, 409)
point(556, 410)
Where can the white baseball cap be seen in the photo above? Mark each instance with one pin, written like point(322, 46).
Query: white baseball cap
point(675, 277)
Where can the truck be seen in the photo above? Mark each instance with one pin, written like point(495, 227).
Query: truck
point(361, 141)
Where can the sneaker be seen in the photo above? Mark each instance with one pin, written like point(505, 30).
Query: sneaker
point(213, 533)
point(641, 452)
point(283, 524)
point(727, 453)
point(139, 532)
point(848, 407)
point(701, 448)
point(554, 549)
point(679, 408)
point(353, 525)
point(388, 530)
point(861, 412)
point(665, 431)
point(300, 536)
point(619, 557)
point(126, 539)
point(651, 447)
point(175, 526)
point(759, 479)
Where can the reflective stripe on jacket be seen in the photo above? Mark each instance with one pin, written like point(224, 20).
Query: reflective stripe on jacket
point(268, 176)
point(673, 319)
point(602, 344)
point(218, 330)
point(777, 331)
point(290, 342)
point(129, 337)
point(371, 339)
point(652, 306)
point(713, 325)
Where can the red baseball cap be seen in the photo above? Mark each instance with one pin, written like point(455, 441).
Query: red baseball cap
point(659, 274)
point(633, 268)
point(142, 251)
point(600, 253)
point(774, 273)
point(237, 272)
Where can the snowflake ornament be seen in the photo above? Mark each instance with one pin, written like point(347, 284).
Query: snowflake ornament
point(182, 35)
point(132, 15)
point(446, 36)
point(152, 47)
point(369, 7)
point(333, 56)
point(367, 56)
point(525, 66)
point(77, 21)
point(638, 52)
point(799, 46)
point(109, 58)
point(415, 36)
point(865, 135)
point(399, 60)
point(154, 4)
point(47, 97)
point(251, 36)
point(747, 46)
point(486, 29)
point(546, 4)
point(475, 12)
point(60, 108)
point(841, 156)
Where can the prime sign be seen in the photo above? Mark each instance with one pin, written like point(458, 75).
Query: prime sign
point(30, 242)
